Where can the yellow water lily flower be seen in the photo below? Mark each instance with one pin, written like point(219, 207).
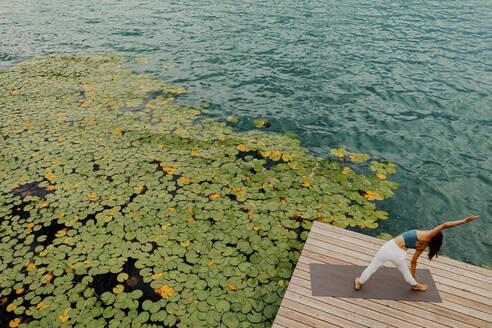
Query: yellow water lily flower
point(165, 291)
point(214, 196)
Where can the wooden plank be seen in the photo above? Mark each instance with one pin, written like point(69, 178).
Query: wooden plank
point(294, 319)
point(376, 243)
point(324, 247)
point(340, 307)
point(310, 308)
point(276, 325)
point(465, 296)
point(466, 302)
point(425, 313)
point(472, 316)
point(290, 323)
point(318, 226)
point(436, 268)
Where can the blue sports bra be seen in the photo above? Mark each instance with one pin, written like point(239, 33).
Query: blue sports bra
point(410, 238)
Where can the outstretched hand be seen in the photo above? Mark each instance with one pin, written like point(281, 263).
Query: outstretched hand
point(470, 218)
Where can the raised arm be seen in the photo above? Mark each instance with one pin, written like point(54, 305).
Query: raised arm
point(449, 224)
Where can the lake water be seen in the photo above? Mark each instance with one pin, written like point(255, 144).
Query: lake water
point(405, 81)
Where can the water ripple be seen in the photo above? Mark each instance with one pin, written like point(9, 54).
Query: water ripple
point(406, 81)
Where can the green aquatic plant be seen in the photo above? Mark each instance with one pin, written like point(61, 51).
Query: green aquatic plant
point(119, 208)
point(260, 123)
point(385, 236)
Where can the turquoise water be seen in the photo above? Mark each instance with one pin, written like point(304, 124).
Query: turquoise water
point(405, 81)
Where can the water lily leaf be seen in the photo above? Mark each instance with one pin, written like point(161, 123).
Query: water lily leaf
point(107, 297)
point(384, 236)
point(222, 306)
point(254, 317)
point(230, 319)
point(260, 123)
point(143, 317)
point(122, 277)
point(213, 317)
point(108, 312)
point(170, 320)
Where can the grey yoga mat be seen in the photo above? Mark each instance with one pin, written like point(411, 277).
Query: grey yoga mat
point(386, 283)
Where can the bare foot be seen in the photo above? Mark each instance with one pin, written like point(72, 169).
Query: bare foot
point(357, 283)
point(420, 287)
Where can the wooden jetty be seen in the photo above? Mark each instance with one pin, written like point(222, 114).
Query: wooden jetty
point(466, 290)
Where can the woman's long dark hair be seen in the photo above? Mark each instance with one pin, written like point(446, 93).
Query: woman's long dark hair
point(435, 245)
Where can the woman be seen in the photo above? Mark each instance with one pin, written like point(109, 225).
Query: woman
point(395, 251)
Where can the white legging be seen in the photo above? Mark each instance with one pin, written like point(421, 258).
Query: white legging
point(389, 252)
